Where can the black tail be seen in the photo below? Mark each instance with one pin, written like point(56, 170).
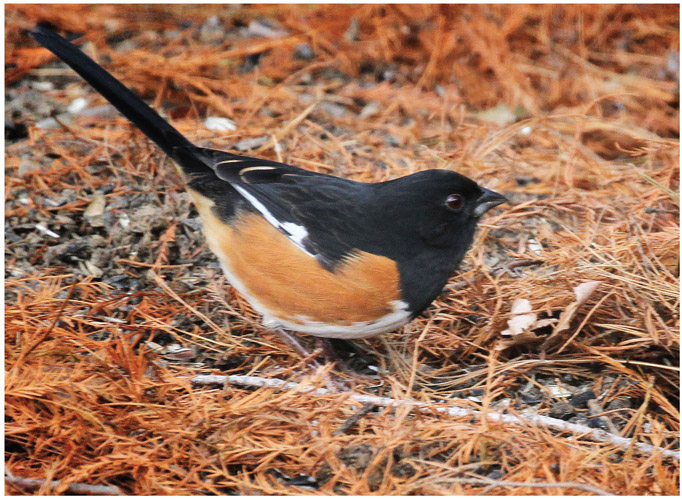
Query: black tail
point(172, 142)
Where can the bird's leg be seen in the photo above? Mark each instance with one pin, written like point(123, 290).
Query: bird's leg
point(330, 355)
point(290, 340)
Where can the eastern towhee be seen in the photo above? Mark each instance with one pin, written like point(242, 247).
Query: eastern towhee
point(313, 253)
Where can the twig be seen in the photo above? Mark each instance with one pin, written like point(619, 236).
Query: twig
point(145, 264)
point(524, 262)
point(26, 484)
point(512, 484)
point(525, 418)
point(353, 419)
point(460, 285)
point(493, 483)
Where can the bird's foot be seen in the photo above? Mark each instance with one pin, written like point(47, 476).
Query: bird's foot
point(332, 384)
point(330, 354)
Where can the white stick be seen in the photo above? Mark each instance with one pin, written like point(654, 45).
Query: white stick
point(527, 417)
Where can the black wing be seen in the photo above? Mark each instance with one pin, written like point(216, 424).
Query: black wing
point(315, 211)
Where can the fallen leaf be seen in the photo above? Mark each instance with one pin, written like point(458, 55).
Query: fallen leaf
point(500, 115)
point(520, 339)
point(582, 293)
point(523, 321)
point(522, 317)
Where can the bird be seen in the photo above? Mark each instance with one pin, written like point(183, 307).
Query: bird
point(312, 253)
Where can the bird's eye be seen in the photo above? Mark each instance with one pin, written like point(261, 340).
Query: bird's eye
point(455, 202)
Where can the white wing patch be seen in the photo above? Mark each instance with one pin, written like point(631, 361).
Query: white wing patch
point(291, 230)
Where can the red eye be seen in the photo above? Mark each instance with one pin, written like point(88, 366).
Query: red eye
point(455, 202)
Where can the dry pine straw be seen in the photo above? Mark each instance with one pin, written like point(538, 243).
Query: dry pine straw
point(88, 402)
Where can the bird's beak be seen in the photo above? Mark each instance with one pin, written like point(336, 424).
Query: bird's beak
point(488, 200)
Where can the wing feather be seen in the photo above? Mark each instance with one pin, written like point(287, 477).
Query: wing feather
point(315, 211)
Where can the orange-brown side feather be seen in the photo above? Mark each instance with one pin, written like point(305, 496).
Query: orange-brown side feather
point(292, 285)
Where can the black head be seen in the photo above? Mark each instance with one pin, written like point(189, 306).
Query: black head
point(442, 204)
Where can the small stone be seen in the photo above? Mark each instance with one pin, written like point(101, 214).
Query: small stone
point(304, 52)
point(261, 27)
point(154, 347)
point(93, 270)
point(212, 30)
point(104, 111)
point(580, 400)
point(77, 105)
point(219, 124)
point(93, 214)
point(500, 115)
point(252, 143)
point(52, 123)
point(534, 246)
point(336, 110)
point(324, 474)
point(43, 86)
point(392, 141)
point(357, 457)
point(403, 469)
point(353, 30)
point(372, 108)
point(562, 410)
point(619, 404)
point(495, 475)
point(27, 165)
point(597, 423)
point(124, 220)
point(302, 481)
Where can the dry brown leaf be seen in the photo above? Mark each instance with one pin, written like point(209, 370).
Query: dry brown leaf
point(523, 321)
point(582, 293)
point(522, 317)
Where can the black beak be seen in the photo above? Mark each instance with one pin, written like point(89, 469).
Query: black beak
point(488, 200)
